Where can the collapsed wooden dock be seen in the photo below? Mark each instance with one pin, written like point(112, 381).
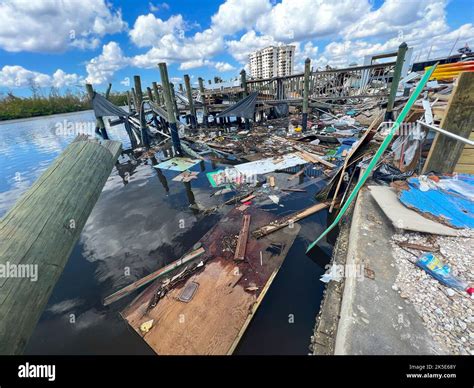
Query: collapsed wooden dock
point(226, 292)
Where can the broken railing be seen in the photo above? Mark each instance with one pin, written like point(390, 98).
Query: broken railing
point(352, 82)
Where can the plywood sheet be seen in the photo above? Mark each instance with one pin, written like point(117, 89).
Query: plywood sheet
point(212, 322)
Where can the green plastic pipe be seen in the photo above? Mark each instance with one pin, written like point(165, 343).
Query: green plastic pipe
point(377, 155)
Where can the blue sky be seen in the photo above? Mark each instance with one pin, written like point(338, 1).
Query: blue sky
point(63, 44)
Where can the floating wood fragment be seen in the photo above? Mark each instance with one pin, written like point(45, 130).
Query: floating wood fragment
point(149, 278)
point(271, 181)
point(294, 190)
point(237, 198)
point(295, 217)
point(242, 240)
point(246, 199)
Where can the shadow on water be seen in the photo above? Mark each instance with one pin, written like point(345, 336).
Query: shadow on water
point(143, 221)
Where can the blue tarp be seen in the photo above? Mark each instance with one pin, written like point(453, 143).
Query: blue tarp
point(448, 200)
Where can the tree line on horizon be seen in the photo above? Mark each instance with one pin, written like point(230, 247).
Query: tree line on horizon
point(39, 104)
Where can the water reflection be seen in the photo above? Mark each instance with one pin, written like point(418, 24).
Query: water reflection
point(139, 224)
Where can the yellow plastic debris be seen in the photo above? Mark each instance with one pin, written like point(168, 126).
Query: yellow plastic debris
point(146, 326)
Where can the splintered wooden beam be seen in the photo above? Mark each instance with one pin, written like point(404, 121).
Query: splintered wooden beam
point(295, 217)
point(311, 158)
point(149, 278)
point(242, 240)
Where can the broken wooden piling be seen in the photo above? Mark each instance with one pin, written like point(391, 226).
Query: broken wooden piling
point(99, 121)
point(189, 93)
point(204, 105)
point(402, 49)
point(169, 107)
point(243, 81)
point(41, 230)
point(141, 111)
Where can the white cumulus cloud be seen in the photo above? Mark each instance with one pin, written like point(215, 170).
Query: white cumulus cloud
point(19, 77)
point(54, 26)
point(102, 68)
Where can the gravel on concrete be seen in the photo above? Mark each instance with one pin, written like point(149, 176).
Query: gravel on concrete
point(447, 313)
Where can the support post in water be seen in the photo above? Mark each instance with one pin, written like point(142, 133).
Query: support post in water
point(307, 70)
point(204, 105)
point(189, 93)
point(107, 93)
point(402, 49)
point(175, 103)
point(129, 102)
point(169, 108)
point(141, 111)
point(157, 93)
point(243, 81)
point(151, 98)
point(99, 121)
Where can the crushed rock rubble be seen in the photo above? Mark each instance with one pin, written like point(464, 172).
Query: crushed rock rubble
point(447, 313)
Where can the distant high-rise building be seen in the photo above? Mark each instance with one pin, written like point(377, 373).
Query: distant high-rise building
point(272, 61)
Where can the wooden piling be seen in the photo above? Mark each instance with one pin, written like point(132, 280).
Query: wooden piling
point(169, 107)
point(158, 97)
point(141, 111)
point(243, 81)
point(204, 105)
point(107, 93)
point(41, 230)
point(173, 99)
point(307, 71)
point(129, 102)
point(189, 93)
point(402, 49)
point(152, 99)
point(99, 121)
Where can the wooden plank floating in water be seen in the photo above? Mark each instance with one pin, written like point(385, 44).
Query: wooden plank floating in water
point(290, 189)
point(41, 230)
point(213, 321)
point(248, 198)
point(153, 276)
point(276, 225)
